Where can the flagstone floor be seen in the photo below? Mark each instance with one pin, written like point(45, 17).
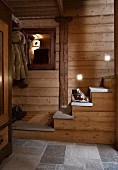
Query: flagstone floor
point(47, 155)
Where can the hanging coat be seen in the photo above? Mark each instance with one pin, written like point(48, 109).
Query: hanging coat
point(20, 70)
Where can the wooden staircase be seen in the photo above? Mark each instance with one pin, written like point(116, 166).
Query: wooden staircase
point(86, 124)
point(97, 122)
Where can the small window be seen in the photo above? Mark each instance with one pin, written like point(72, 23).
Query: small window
point(40, 48)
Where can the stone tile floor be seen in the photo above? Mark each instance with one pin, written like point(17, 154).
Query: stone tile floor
point(47, 155)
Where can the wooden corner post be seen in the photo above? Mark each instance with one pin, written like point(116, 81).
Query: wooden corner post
point(116, 62)
point(63, 59)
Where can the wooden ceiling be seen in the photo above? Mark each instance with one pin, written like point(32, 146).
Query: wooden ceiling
point(52, 8)
point(37, 8)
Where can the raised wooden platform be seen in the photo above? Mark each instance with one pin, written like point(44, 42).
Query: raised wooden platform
point(35, 121)
point(68, 136)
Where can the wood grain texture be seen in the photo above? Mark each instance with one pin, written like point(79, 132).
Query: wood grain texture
point(101, 117)
point(35, 107)
point(45, 118)
point(42, 84)
point(116, 64)
point(90, 36)
point(36, 100)
point(92, 10)
point(68, 136)
point(92, 20)
point(84, 125)
point(38, 91)
point(4, 136)
point(63, 62)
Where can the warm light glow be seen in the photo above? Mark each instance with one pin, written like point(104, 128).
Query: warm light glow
point(0, 79)
point(107, 57)
point(79, 77)
point(37, 36)
point(33, 48)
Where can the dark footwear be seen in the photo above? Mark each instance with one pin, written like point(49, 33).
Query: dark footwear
point(18, 113)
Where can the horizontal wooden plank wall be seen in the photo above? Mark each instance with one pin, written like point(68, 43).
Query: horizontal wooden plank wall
point(42, 93)
point(91, 36)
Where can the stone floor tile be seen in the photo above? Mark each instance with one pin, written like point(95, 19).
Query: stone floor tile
point(110, 166)
point(66, 167)
point(60, 143)
point(36, 143)
point(22, 162)
point(55, 150)
point(87, 164)
point(19, 142)
point(108, 153)
point(5, 161)
point(75, 152)
point(46, 155)
point(94, 164)
point(52, 160)
point(54, 154)
point(84, 164)
point(45, 167)
point(29, 150)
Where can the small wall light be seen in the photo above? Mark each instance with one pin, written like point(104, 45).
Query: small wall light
point(107, 57)
point(36, 43)
point(0, 79)
point(79, 77)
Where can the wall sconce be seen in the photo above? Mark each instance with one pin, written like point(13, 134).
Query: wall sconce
point(0, 79)
point(107, 57)
point(79, 77)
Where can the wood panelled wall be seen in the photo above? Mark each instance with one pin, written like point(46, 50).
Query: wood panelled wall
point(91, 36)
point(42, 93)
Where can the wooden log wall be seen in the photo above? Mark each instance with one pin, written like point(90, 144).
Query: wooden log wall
point(90, 37)
point(42, 93)
point(116, 63)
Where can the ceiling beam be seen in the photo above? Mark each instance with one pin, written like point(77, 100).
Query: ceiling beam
point(36, 14)
point(60, 5)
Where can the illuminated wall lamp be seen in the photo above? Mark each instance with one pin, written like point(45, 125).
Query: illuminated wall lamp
point(79, 77)
point(107, 57)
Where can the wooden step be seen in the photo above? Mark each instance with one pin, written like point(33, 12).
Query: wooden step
point(44, 118)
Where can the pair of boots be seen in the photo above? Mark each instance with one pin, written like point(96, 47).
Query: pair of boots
point(17, 113)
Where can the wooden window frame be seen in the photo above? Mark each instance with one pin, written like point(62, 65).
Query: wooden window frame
point(52, 32)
